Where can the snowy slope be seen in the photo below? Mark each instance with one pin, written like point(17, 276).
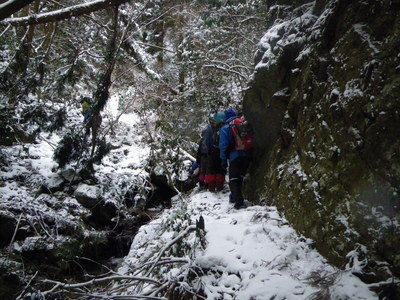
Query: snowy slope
point(249, 254)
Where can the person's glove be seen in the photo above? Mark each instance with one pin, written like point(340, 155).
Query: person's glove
point(224, 165)
point(194, 166)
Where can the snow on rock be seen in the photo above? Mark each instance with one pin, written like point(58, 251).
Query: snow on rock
point(250, 254)
point(284, 33)
point(87, 195)
point(70, 175)
point(54, 183)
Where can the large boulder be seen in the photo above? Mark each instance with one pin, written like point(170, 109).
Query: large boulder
point(102, 212)
point(8, 225)
point(12, 278)
point(88, 196)
point(53, 183)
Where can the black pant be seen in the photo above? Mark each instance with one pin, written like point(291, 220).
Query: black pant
point(214, 162)
point(237, 171)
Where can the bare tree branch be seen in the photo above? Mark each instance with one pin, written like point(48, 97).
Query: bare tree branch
point(170, 244)
point(60, 285)
point(63, 14)
point(242, 76)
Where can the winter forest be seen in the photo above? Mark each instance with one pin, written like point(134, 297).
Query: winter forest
point(112, 208)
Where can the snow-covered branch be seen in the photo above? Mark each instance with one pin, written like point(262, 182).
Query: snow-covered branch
point(59, 285)
point(227, 70)
point(63, 14)
point(171, 243)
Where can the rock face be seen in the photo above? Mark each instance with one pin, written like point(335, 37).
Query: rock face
point(324, 102)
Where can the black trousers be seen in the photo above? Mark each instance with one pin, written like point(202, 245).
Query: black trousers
point(214, 162)
point(237, 171)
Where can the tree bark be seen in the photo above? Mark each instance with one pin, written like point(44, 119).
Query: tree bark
point(22, 55)
point(181, 36)
point(102, 93)
point(63, 14)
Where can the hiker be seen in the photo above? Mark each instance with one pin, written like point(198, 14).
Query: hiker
point(201, 161)
point(215, 175)
point(238, 152)
point(92, 122)
point(85, 102)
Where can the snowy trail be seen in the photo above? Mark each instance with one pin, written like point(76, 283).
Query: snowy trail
point(251, 254)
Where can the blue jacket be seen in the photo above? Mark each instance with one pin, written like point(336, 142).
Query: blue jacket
point(226, 144)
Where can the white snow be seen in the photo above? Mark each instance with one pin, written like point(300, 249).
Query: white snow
point(286, 32)
point(250, 254)
point(88, 190)
point(365, 37)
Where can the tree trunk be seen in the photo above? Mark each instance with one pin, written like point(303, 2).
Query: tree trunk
point(179, 56)
point(102, 93)
point(23, 53)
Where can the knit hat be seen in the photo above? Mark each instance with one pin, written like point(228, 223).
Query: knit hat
point(85, 99)
point(229, 113)
point(219, 118)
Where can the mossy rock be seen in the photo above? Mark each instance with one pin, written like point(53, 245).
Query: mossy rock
point(327, 156)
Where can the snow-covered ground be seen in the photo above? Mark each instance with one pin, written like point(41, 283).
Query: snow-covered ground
point(27, 168)
point(30, 165)
point(249, 254)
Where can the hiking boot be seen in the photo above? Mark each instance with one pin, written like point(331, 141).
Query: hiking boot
point(211, 186)
point(202, 186)
point(219, 186)
point(239, 206)
point(231, 199)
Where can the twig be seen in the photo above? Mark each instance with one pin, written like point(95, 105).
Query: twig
point(95, 281)
point(157, 47)
point(97, 263)
point(191, 292)
point(170, 244)
point(27, 285)
point(187, 154)
point(5, 30)
point(168, 260)
point(120, 297)
point(52, 145)
point(15, 232)
point(42, 223)
point(158, 290)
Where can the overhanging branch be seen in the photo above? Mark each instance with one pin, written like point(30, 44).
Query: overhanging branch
point(62, 14)
point(12, 6)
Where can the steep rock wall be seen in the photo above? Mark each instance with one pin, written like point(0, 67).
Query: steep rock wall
point(324, 102)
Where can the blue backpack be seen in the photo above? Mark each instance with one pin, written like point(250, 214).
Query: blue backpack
point(219, 121)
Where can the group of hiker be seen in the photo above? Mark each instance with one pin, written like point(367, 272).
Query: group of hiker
point(225, 147)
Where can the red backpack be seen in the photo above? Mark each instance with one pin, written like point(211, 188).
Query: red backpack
point(242, 134)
